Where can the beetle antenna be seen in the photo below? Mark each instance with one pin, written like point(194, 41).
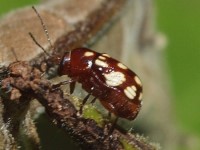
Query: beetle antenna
point(33, 38)
point(44, 26)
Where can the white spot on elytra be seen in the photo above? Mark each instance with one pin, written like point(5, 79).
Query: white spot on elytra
point(105, 55)
point(137, 80)
point(133, 87)
point(122, 66)
point(140, 97)
point(101, 63)
point(102, 58)
point(130, 92)
point(87, 54)
point(114, 78)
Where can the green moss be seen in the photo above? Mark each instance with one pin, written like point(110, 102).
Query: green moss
point(127, 146)
point(90, 111)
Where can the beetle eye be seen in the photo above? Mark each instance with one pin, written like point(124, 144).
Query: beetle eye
point(65, 63)
point(67, 57)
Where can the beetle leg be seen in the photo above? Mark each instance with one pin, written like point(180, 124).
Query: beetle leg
point(93, 100)
point(114, 123)
point(56, 86)
point(109, 115)
point(72, 86)
point(110, 128)
point(83, 103)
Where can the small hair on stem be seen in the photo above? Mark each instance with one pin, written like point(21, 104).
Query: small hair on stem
point(14, 53)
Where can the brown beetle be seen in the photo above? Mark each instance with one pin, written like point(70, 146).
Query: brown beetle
point(117, 87)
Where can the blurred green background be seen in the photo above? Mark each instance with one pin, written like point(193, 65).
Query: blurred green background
point(180, 22)
point(8, 5)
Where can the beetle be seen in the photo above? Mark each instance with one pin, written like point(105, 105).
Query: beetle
point(117, 87)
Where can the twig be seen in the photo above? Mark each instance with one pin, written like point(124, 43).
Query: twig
point(62, 112)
